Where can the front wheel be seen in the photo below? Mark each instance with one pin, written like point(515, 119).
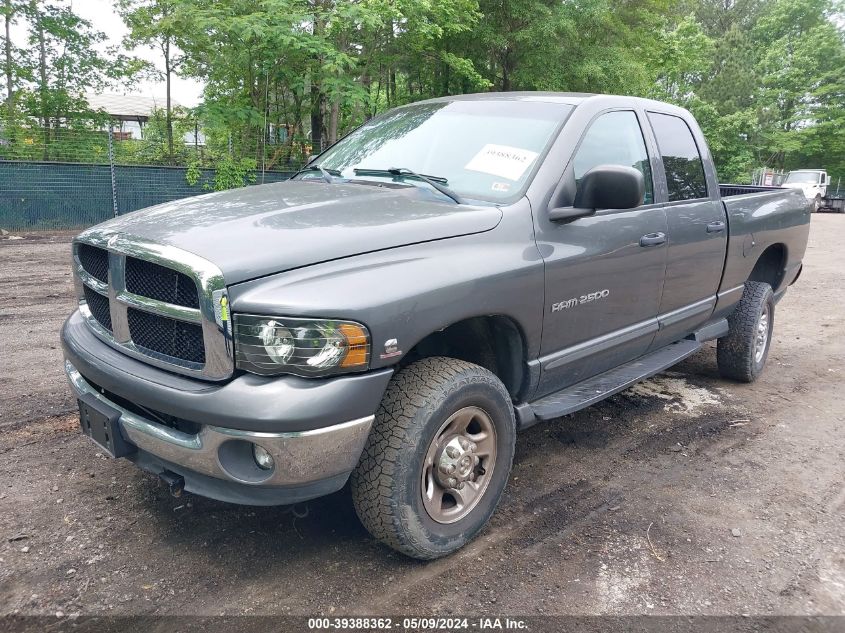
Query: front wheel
point(437, 459)
point(741, 355)
point(816, 204)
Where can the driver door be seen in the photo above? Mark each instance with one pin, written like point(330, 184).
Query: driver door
point(603, 273)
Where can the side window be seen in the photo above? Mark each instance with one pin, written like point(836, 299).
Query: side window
point(615, 138)
point(681, 158)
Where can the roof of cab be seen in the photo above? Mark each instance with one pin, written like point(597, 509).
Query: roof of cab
point(569, 98)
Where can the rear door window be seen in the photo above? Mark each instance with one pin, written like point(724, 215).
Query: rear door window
point(681, 158)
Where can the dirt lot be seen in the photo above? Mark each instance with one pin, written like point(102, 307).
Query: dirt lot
point(683, 495)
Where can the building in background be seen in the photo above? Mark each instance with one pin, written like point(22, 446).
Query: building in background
point(131, 113)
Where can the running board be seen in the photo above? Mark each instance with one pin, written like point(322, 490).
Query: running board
point(610, 382)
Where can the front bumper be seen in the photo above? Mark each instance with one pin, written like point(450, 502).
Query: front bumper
point(306, 464)
point(315, 430)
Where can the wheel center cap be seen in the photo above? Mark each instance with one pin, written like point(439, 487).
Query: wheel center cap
point(456, 461)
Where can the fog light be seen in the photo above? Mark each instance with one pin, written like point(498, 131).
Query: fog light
point(262, 457)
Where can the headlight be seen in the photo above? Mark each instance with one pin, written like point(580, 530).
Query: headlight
point(305, 347)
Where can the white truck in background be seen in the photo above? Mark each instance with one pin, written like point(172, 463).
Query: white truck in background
point(813, 182)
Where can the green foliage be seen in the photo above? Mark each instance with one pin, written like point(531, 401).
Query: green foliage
point(193, 173)
point(229, 173)
point(285, 78)
point(685, 56)
point(762, 76)
point(233, 173)
point(63, 60)
point(151, 23)
point(771, 88)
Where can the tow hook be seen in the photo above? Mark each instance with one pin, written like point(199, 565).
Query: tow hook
point(175, 483)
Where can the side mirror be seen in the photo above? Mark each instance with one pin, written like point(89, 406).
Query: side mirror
point(604, 187)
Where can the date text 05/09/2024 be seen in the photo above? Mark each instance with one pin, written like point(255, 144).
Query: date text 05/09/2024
point(418, 624)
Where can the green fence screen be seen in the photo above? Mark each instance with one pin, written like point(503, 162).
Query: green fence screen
point(37, 196)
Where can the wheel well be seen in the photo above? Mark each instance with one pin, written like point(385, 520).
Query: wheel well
point(493, 342)
point(770, 266)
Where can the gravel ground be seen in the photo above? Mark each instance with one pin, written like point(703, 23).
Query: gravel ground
point(683, 495)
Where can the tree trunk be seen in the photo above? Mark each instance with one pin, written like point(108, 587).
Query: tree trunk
point(169, 114)
point(367, 84)
point(446, 79)
point(334, 118)
point(507, 67)
point(10, 87)
point(317, 96)
point(42, 72)
point(316, 117)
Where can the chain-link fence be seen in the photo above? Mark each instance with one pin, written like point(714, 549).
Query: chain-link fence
point(72, 178)
point(768, 177)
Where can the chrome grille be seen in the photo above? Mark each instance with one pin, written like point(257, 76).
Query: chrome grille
point(163, 284)
point(156, 303)
point(168, 337)
point(99, 307)
point(95, 261)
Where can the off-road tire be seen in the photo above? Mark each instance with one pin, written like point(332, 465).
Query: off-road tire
point(386, 485)
point(736, 353)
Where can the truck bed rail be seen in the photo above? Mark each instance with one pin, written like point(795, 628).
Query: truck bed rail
point(728, 190)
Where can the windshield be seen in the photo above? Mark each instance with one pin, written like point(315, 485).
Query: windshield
point(486, 150)
point(802, 177)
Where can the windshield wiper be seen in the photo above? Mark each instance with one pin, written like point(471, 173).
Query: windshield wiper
point(327, 174)
point(437, 182)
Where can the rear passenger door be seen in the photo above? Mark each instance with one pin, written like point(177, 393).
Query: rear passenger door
point(697, 228)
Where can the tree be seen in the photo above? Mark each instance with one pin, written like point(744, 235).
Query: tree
point(67, 61)
point(300, 64)
point(45, 80)
point(718, 17)
point(285, 78)
point(801, 66)
point(8, 15)
point(152, 23)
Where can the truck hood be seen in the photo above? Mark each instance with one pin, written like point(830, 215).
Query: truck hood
point(266, 229)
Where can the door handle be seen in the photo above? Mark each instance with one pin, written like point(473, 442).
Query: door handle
point(715, 227)
point(653, 239)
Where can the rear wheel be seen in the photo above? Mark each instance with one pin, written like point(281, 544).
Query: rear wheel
point(742, 354)
point(437, 459)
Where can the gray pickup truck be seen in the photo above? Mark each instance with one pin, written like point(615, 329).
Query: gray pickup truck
point(451, 272)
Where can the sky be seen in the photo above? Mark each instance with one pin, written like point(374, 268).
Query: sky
point(104, 17)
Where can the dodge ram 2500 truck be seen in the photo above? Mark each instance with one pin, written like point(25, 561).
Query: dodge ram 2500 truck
point(451, 272)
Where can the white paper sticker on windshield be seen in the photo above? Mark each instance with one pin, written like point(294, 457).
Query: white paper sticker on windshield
point(502, 160)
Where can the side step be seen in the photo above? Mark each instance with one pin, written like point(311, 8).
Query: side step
point(613, 381)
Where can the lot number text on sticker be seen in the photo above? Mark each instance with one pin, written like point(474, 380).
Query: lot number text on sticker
point(502, 160)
